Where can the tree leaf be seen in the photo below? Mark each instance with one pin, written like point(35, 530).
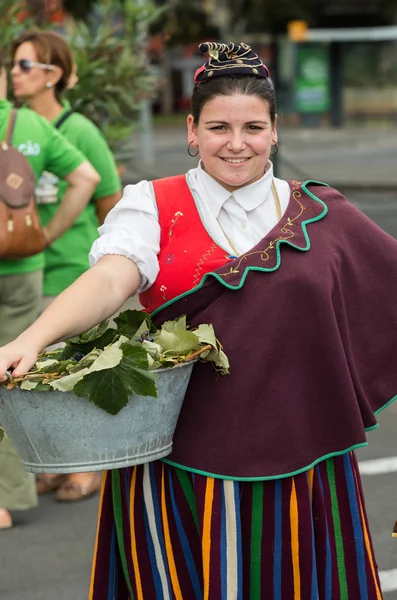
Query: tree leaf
point(29, 385)
point(110, 389)
point(67, 383)
point(220, 360)
point(179, 341)
point(177, 325)
point(109, 337)
point(108, 359)
point(105, 389)
point(44, 365)
point(92, 334)
point(206, 334)
point(129, 321)
point(134, 370)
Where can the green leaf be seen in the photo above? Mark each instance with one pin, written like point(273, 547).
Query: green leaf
point(67, 383)
point(105, 389)
point(107, 359)
point(134, 369)
point(107, 338)
point(29, 385)
point(179, 341)
point(206, 335)
point(129, 322)
point(92, 334)
point(177, 325)
point(109, 389)
point(43, 387)
point(220, 360)
point(46, 365)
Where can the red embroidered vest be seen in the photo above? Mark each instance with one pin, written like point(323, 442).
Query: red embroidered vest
point(187, 251)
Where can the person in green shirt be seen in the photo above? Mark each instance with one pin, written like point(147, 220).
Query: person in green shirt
point(21, 280)
point(67, 258)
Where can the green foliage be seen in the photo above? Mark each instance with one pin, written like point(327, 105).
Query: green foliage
point(113, 72)
point(108, 365)
point(10, 27)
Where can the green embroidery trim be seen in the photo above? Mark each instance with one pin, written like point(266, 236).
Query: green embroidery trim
point(256, 540)
point(267, 477)
point(340, 553)
point(118, 519)
point(263, 269)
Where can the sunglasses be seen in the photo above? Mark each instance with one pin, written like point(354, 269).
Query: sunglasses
point(25, 65)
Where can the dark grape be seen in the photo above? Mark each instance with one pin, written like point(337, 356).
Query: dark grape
point(78, 356)
point(144, 336)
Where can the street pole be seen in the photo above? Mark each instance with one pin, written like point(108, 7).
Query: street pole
point(146, 149)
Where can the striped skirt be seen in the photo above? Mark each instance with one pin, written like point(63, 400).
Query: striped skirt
point(165, 533)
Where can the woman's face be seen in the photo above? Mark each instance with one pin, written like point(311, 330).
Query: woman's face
point(234, 136)
point(28, 84)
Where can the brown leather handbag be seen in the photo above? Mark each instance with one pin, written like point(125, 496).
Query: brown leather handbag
point(21, 234)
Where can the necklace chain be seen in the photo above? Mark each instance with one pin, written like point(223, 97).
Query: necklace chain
point(279, 214)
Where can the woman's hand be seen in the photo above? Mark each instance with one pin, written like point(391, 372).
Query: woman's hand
point(18, 356)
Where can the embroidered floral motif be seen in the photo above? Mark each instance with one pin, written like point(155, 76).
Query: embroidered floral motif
point(163, 290)
point(169, 259)
point(174, 221)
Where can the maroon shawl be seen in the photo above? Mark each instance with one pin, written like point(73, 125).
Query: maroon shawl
point(308, 319)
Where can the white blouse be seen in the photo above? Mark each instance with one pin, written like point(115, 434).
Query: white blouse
point(132, 228)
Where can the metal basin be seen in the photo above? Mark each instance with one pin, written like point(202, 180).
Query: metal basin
point(56, 432)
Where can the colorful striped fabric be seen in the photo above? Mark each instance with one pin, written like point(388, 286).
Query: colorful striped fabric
point(168, 534)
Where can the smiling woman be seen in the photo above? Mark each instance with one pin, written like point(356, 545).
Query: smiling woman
point(233, 149)
point(261, 495)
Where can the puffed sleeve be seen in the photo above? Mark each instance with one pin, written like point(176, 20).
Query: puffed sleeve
point(132, 229)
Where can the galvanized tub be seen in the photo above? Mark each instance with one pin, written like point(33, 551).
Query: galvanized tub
point(56, 432)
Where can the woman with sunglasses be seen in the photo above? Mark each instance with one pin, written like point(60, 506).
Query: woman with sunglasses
point(43, 69)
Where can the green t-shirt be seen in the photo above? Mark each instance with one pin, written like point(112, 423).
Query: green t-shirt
point(45, 148)
point(67, 258)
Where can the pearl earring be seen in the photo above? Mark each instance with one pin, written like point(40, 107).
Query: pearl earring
point(48, 84)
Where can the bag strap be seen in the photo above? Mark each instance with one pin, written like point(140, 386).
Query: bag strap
point(10, 127)
point(61, 121)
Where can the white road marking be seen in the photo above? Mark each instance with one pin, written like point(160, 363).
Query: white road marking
point(378, 466)
point(388, 580)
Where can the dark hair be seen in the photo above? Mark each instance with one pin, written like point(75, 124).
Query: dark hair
point(51, 49)
point(229, 86)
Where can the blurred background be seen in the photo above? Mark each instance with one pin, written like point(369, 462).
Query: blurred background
point(334, 64)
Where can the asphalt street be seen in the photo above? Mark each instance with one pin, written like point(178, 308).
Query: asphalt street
point(47, 555)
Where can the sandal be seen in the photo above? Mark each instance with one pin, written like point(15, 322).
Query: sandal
point(46, 483)
point(73, 491)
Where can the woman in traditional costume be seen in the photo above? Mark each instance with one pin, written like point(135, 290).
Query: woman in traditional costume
point(261, 497)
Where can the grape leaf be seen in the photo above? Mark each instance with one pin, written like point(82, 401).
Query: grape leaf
point(177, 325)
point(106, 389)
point(29, 385)
point(110, 389)
point(129, 321)
point(206, 334)
point(134, 369)
point(179, 341)
point(92, 334)
point(71, 348)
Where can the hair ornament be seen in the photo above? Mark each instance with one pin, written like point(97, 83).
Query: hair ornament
point(233, 60)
